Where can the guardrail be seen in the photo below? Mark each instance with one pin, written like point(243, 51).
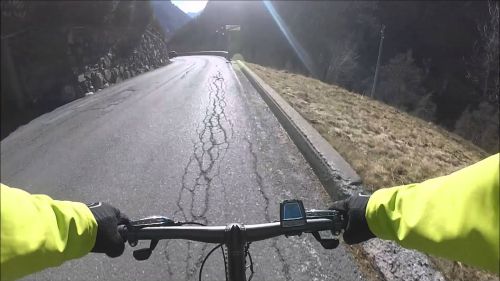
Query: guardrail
point(203, 53)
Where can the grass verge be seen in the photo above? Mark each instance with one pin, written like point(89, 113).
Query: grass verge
point(387, 147)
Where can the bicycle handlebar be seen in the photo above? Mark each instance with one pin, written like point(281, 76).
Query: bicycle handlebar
point(218, 234)
point(236, 237)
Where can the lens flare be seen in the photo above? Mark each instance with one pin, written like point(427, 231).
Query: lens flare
point(298, 49)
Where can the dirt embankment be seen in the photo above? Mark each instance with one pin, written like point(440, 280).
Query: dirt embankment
point(387, 147)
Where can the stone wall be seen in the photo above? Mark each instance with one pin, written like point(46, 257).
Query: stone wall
point(54, 52)
point(150, 53)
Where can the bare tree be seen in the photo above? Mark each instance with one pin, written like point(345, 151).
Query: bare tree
point(480, 123)
point(489, 36)
point(484, 69)
point(401, 82)
point(343, 61)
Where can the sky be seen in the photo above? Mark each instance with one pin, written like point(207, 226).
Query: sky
point(190, 6)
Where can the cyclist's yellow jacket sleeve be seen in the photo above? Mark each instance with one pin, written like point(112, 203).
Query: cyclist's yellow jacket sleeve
point(38, 232)
point(455, 216)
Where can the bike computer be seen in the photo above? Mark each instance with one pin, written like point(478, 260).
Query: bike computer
point(292, 213)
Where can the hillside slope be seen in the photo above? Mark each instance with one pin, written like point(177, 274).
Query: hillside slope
point(425, 70)
point(387, 147)
point(399, 147)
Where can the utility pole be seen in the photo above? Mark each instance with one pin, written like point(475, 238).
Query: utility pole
point(378, 60)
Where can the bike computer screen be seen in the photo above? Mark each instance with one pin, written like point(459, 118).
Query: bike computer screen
point(292, 213)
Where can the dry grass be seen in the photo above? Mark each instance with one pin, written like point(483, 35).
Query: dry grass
point(385, 146)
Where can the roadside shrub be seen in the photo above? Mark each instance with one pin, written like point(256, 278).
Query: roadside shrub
point(480, 125)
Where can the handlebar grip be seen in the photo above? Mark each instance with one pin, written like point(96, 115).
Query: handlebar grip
point(337, 217)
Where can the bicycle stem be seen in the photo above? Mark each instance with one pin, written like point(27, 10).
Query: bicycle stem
point(236, 252)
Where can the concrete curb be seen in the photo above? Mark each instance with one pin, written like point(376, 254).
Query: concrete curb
point(340, 180)
point(337, 176)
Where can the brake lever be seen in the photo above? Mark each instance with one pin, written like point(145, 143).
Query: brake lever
point(338, 224)
point(153, 221)
point(326, 243)
point(145, 253)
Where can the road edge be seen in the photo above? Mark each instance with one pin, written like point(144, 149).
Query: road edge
point(337, 176)
point(340, 180)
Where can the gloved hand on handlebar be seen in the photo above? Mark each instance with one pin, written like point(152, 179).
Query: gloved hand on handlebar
point(354, 209)
point(108, 240)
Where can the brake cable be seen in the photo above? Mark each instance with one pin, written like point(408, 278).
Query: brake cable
point(247, 253)
point(191, 222)
point(247, 250)
point(206, 258)
point(225, 261)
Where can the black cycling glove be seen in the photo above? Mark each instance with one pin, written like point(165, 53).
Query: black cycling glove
point(354, 209)
point(108, 239)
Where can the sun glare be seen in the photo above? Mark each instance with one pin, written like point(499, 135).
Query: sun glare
point(190, 6)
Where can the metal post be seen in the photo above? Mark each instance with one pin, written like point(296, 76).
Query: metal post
point(226, 30)
point(378, 60)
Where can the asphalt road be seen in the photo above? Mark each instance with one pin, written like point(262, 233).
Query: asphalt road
point(192, 140)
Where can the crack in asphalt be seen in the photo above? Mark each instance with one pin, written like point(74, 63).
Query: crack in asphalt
point(209, 148)
point(265, 196)
point(259, 180)
point(167, 258)
point(203, 167)
point(286, 266)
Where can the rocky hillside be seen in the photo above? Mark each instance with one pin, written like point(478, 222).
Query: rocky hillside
point(169, 17)
point(56, 51)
